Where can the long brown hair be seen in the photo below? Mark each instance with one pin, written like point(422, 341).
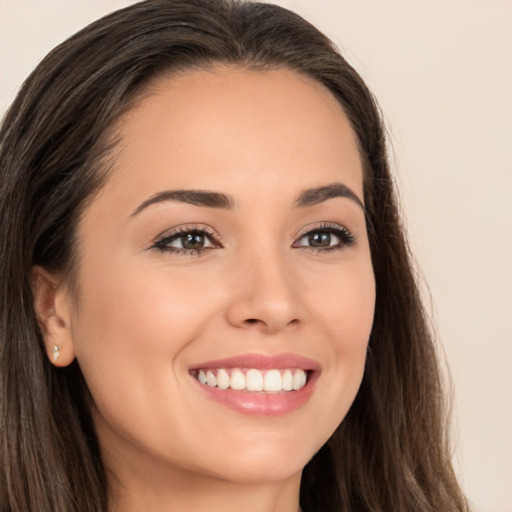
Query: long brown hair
point(389, 453)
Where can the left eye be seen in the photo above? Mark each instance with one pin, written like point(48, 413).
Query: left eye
point(193, 240)
point(323, 238)
point(320, 239)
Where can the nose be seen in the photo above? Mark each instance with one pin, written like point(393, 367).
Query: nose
point(264, 296)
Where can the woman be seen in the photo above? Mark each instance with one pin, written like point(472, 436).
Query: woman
point(207, 299)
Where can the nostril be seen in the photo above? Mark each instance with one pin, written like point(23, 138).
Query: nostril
point(251, 320)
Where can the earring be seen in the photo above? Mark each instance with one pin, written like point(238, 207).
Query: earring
point(56, 352)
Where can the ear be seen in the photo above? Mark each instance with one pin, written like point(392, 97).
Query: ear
point(52, 303)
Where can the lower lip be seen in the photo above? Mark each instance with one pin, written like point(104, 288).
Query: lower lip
point(261, 403)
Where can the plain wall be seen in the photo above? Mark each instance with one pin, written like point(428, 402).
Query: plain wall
point(442, 74)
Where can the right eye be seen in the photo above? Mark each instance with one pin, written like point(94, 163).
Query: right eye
point(187, 241)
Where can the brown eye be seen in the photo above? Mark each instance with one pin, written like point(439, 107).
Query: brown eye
point(192, 241)
point(187, 241)
point(325, 238)
point(319, 239)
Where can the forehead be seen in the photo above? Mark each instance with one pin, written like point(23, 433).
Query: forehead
point(226, 127)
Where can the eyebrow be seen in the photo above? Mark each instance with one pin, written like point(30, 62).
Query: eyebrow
point(318, 195)
point(196, 197)
point(208, 199)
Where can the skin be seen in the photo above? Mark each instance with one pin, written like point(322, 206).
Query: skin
point(141, 317)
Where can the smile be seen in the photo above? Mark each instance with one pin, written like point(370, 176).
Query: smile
point(258, 384)
point(253, 379)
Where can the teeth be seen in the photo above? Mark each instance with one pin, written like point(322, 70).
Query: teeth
point(298, 381)
point(287, 380)
point(271, 381)
point(254, 380)
point(237, 380)
point(211, 380)
point(223, 380)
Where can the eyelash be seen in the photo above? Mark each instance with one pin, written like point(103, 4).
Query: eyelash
point(346, 238)
point(163, 241)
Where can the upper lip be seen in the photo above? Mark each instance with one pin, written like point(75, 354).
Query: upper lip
point(261, 361)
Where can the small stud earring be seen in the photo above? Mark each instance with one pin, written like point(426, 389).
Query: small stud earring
point(56, 352)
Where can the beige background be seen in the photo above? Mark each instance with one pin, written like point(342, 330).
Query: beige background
point(441, 71)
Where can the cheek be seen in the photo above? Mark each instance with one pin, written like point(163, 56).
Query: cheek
point(136, 306)
point(345, 318)
point(345, 305)
point(354, 321)
point(131, 327)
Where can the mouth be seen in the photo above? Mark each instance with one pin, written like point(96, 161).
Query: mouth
point(258, 384)
point(253, 379)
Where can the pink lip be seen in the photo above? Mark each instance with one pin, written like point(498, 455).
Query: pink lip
point(261, 362)
point(261, 403)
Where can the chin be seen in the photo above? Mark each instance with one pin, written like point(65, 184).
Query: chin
point(263, 471)
point(263, 462)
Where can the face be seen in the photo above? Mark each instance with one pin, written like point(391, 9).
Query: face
point(224, 262)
